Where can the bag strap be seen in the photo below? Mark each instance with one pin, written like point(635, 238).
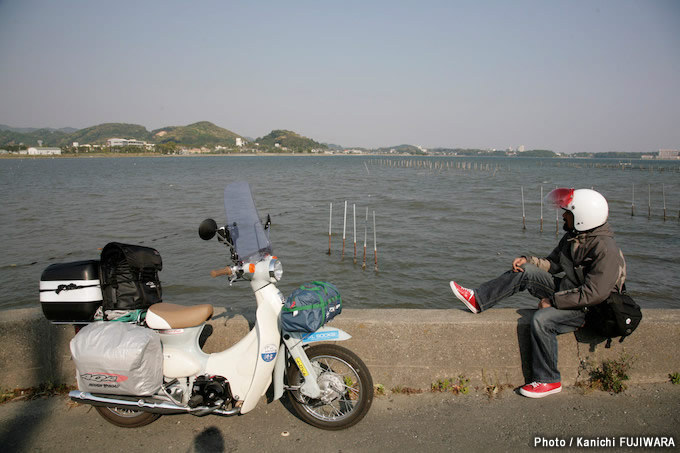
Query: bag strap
point(608, 344)
point(69, 287)
point(326, 286)
point(303, 307)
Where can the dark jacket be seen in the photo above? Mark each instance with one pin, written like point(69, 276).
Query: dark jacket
point(591, 262)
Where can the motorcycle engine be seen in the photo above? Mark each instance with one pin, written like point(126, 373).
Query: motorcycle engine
point(210, 391)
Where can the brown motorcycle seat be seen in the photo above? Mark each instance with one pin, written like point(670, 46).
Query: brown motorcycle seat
point(178, 316)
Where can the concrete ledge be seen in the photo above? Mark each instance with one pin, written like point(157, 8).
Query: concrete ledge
point(411, 348)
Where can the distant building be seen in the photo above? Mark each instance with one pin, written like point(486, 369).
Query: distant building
point(669, 154)
point(239, 141)
point(202, 150)
point(120, 142)
point(521, 148)
point(43, 151)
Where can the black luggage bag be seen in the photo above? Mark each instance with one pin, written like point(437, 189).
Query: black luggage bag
point(129, 276)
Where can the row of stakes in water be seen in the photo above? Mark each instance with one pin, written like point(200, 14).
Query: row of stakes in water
point(433, 165)
point(482, 166)
point(344, 235)
point(632, 207)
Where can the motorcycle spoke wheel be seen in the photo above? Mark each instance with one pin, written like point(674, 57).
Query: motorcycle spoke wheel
point(346, 384)
point(126, 418)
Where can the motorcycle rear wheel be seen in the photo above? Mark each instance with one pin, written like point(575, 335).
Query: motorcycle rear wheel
point(126, 418)
point(347, 382)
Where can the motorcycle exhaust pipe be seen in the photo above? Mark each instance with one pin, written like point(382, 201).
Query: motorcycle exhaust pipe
point(146, 404)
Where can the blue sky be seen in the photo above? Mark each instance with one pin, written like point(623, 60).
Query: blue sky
point(563, 75)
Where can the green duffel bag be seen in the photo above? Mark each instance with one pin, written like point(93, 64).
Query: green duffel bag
point(310, 306)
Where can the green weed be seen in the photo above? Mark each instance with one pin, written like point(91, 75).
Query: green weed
point(611, 375)
point(674, 378)
point(460, 386)
point(42, 391)
point(405, 390)
point(493, 388)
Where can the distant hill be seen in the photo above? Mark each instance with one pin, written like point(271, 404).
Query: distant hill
point(290, 140)
point(28, 130)
point(615, 155)
point(203, 133)
point(401, 149)
point(537, 153)
point(485, 152)
point(49, 137)
point(97, 135)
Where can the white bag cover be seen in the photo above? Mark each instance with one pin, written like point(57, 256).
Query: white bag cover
point(118, 358)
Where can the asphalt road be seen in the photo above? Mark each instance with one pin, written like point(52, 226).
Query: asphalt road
point(396, 423)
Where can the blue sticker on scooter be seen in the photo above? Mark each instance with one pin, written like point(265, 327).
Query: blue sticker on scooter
point(321, 336)
point(269, 353)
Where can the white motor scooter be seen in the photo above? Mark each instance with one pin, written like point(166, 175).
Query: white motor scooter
point(329, 386)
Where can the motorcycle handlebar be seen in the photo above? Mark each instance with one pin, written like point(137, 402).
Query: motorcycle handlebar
point(226, 271)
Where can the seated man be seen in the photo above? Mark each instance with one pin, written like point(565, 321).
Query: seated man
point(590, 266)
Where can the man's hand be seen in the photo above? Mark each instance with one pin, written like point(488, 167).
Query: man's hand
point(517, 262)
point(544, 303)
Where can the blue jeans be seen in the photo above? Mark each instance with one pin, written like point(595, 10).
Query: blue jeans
point(546, 323)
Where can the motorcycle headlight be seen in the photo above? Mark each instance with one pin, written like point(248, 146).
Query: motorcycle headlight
point(275, 269)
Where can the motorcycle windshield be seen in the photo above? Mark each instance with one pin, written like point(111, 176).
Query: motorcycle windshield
point(247, 233)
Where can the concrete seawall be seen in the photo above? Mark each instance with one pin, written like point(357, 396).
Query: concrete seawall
point(412, 348)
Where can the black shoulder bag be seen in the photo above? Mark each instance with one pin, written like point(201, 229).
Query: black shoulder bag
point(618, 316)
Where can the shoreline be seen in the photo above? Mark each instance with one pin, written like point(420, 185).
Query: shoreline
point(123, 155)
point(265, 154)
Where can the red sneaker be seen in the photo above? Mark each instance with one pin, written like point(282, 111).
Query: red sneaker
point(467, 296)
point(539, 389)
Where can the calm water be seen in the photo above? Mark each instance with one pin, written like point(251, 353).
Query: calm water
point(433, 224)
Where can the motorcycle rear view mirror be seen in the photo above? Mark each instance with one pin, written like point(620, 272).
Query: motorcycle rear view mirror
point(207, 229)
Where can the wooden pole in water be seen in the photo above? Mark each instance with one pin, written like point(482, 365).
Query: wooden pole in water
point(344, 229)
point(632, 203)
point(375, 245)
point(330, 223)
point(354, 209)
point(557, 220)
point(663, 194)
point(541, 209)
point(363, 266)
point(524, 220)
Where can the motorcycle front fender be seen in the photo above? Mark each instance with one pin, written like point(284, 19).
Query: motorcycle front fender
point(325, 334)
point(279, 371)
point(292, 339)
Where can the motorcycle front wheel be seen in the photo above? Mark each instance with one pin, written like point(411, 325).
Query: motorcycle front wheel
point(346, 388)
point(126, 418)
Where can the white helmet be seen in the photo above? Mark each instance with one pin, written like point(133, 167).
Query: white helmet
point(589, 207)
